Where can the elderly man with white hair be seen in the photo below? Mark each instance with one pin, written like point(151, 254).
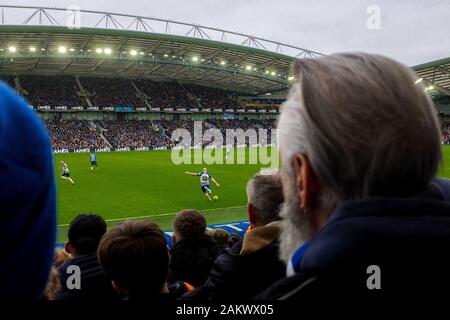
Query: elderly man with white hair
point(363, 213)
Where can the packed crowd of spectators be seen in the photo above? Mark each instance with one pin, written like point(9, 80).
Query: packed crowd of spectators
point(221, 125)
point(73, 134)
point(245, 124)
point(111, 92)
point(166, 94)
point(133, 133)
point(77, 134)
point(213, 97)
point(444, 120)
point(42, 90)
point(51, 91)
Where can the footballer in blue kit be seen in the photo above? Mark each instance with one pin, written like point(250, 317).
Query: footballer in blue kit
point(205, 176)
point(93, 157)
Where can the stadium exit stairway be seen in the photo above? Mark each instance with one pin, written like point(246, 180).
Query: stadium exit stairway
point(80, 86)
point(141, 94)
point(100, 131)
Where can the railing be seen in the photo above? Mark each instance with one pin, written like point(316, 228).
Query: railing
point(74, 18)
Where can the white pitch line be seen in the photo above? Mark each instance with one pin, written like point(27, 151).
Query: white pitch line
point(156, 215)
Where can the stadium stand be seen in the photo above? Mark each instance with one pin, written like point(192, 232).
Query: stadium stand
point(213, 97)
point(51, 91)
point(74, 134)
point(166, 94)
point(81, 134)
point(444, 120)
point(111, 92)
point(133, 133)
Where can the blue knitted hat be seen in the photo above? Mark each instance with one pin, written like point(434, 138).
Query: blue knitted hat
point(27, 199)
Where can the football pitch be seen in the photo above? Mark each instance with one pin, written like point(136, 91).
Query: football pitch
point(147, 184)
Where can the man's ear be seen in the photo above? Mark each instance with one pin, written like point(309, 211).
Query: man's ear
point(68, 247)
point(119, 289)
point(251, 215)
point(174, 238)
point(307, 181)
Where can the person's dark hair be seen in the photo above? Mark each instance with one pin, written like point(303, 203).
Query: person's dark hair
point(134, 254)
point(189, 223)
point(220, 236)
point(234, 238)
point(85, 232)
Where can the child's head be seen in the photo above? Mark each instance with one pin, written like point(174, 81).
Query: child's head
point(135, 256)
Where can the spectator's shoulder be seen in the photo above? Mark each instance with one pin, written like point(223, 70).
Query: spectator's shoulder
point(286, 288)
point(443, 185)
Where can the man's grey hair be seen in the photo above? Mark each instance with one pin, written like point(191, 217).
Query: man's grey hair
point(265, 194)
point(365, 125)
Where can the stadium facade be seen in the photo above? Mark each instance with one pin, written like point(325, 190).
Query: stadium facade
point(79, 53)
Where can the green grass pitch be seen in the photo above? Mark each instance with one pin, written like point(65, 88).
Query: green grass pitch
point(147, 184)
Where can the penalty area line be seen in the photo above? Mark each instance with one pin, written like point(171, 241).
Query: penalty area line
point(156, 215)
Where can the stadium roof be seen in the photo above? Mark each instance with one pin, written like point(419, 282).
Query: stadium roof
point(72, 41)
point(435, 76)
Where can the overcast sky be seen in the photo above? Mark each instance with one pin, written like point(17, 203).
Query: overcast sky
point(412, 31)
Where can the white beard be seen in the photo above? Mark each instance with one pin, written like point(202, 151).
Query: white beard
point(296, 228)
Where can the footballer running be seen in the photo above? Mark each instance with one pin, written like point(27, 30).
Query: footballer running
point(65, 172)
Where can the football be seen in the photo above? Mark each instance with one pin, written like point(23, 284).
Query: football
point(215, 198)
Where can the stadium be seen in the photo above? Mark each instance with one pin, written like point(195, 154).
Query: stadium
point(128, 89)
point(111, 88)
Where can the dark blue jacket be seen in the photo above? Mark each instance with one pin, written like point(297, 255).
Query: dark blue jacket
point(407, 238)
point(192, 259)
point(95, 285)
point(27, 197)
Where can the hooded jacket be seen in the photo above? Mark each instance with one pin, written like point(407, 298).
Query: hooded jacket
point(27, 196)
point(192, 259)
point(245, 269)
point(95, 285)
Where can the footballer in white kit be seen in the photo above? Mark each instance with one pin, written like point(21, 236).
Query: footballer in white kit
point(65, 174)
